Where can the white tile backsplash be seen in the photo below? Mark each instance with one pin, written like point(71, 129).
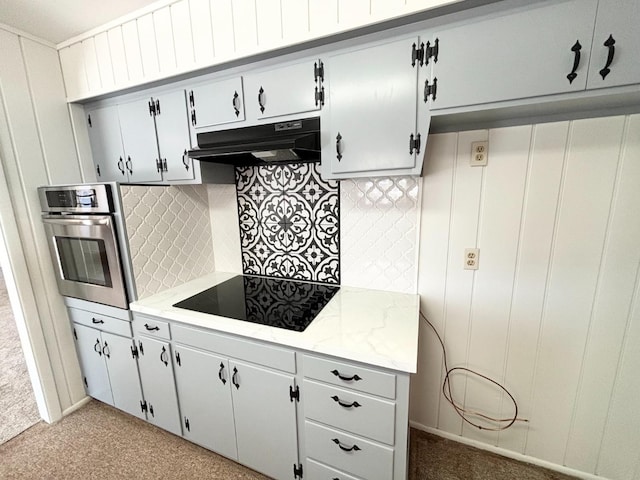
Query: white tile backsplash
point(379, 228)
point(169, 233)
point(225, 230)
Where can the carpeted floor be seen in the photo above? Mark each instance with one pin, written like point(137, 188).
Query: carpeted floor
point(18, 410)
point(98, 442)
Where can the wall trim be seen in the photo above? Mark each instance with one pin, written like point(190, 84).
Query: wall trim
point(75, 406)
point(20, 33)
point(506, 453)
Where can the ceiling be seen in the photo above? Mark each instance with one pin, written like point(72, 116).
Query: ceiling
point(59, 20)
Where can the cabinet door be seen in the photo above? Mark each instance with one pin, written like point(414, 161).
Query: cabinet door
point(217, 103)
point(173, 136)
point(140, 143)
point(282, 91)
point(265, 419)
point(158, 384)
point(515, 55)
point(94, 369)
point(617, 36)
point(370, 112)
point(123, 373)
point(203, 383)
point(106, 144)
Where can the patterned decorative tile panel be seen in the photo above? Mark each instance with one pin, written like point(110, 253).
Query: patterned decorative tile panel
point(289, 222)
point(225, 228)
point(379, 233)
point(169, 234)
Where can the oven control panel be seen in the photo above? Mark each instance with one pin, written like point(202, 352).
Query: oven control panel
point(76, 199)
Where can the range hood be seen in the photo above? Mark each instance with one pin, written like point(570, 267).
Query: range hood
point(291, 141)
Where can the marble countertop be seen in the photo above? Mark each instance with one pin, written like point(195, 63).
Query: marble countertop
point(370, 326)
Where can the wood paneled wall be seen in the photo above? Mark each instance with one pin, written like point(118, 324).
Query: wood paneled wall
point(553, 311)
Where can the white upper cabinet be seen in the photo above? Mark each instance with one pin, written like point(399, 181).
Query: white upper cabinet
point(216, 103)
point(542, 49)
point(173, 136)
point(616, 43)
point(281, 91)
point(106, 144)
point(369, 118)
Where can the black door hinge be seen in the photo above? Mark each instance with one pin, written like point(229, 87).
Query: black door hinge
point(414, 144)
point(192, 102)
point(158, 165)
point(89, 120)
point(320, 96)
point(297, 470)
point(417, 54)
point(98, 170)
point(156, 110)
point(430, 90)
point(143, 406)
point(294, 394)
point(140, 347)
point(164, 165)
point(152, 108)
point(431, 51)
point(178, 361)
point(193, 118)
point(187, 424)
point(75, 334)
point(134, 352)
point(318, 71)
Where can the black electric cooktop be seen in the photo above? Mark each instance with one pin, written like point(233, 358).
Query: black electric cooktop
point(268, 301)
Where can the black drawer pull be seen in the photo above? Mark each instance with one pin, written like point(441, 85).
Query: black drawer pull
point(97, 320)
point(151, 329)
point(335, 398)
point(576, 61)
point(354, 448)
point(346, 379)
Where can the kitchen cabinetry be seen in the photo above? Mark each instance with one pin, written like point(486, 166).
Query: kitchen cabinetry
point(286, 90)
point(107, 359)
point(369, 121)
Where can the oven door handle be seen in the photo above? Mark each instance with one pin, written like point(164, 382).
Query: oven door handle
point(76, 220)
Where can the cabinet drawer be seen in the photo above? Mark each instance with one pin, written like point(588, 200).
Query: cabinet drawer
point(318, 471)
point(228, 346)
point(361, 414)
point(100, 322)
point(350, 376)
point(151, 326)
point(349, 453)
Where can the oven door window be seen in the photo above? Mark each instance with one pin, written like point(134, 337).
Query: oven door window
point(84, 260)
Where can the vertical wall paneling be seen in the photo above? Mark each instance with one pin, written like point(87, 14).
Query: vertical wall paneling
point(91, 65)
point(386, 8)
point(546, 160)
point(132, 50)
point(352, 13)
point(164, 40)
point(498, 236)
point(222, 23)
point(75, 77)
point(465, 209)
point(617, 320)
point(437, 184)
point(592, 160)
point(148, 46)
point(295, 20)
point(323, 16)
point(82, 145)
point(244, 25)
point(118, 57)
point(269, 22)
point(200, 13)
point(105, 64)
point(182, 37)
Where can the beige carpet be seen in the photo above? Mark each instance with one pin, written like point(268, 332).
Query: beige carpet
point(99, 442)
point(18, 409)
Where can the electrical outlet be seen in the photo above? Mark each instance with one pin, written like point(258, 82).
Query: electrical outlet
point(471, 258)
point(479, 154)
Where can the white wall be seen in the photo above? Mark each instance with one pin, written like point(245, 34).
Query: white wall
point(37, 147)
point(553, 311)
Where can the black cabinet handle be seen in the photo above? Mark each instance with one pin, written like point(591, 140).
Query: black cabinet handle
point(185, 160)
point(106, 351)
point(163, 356)
point(236, 103)
point(121, 166)
point(98, 350)
point(151, 410)
point(155, 327)
point(234, 378)
point(220, 376)
point(128, 164)
point(346, 379)
point(335, 398)
point(96, 320)
point(338, 146)
point(610, 44)
point(260, 96)
point(354, 448)
point(576, 61)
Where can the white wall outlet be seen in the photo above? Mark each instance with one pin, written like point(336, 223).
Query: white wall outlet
point(479, 154)
point(471, 258)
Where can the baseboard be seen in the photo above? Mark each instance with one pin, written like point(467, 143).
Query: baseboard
point(79, 404)
point(506, 453)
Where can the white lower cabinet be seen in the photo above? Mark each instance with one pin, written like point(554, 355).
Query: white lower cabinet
point(94, 368)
